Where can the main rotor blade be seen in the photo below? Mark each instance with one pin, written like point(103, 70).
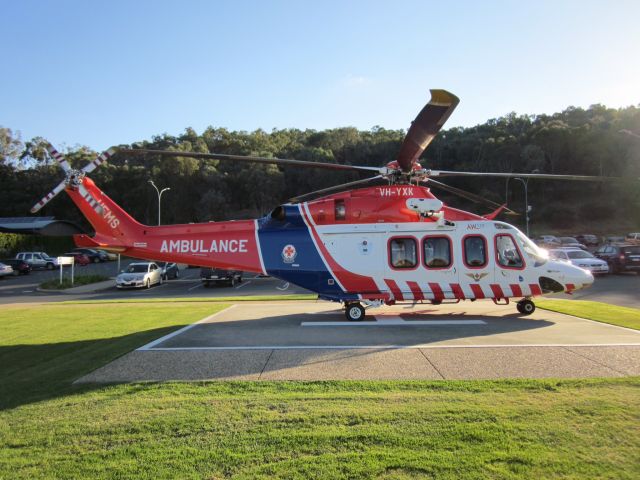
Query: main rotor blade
point(465, 194)
point(249, 158)
point(545, 176)
point(48, 197)
point(426, 126)
point(301, 198)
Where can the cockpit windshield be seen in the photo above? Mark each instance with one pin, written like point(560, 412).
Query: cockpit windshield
point(539, 255)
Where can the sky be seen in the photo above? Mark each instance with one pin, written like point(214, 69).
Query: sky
point(107, 73)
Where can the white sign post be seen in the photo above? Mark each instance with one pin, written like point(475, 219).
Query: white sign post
point(62, 261)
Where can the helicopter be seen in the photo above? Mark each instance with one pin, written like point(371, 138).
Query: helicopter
point(360, 243)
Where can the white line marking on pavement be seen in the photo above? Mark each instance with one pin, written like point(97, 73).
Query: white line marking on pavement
point(195, 286)
point(149, 346)
point(27, 291)
point(243, 284)
point(284, 287)
point(378, 347)
point(393, 321)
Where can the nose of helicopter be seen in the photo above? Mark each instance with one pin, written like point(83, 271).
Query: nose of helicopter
point(572, 277)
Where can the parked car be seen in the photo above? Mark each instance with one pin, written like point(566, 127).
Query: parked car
point(38, 260)
point(621, 258)
point(588, 239)
point(614, 239)
point(570, 242)
point(548, 241)
point(170, 270)
point(20, 267)
point(140, 275)
point(95, 256)
point(110, 255)
point(580, 258)
point(210, 276)
point(79, 258)
point(632, 238)
point(5, 270)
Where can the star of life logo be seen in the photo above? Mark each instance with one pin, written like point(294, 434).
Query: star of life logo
point(289, 253)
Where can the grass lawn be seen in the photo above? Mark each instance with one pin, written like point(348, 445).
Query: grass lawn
point(400, 430)
point(601, 312)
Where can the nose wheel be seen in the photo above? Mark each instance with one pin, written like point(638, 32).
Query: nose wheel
point(526, 306)
point(354, 312)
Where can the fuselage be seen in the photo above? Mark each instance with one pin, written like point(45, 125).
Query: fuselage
point(390, 243)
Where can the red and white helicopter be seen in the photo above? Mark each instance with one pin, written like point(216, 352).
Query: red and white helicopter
point(363, 247)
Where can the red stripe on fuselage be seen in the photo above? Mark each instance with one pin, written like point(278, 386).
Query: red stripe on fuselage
point(457, 291)
point(497, 291)
point(535, 289)
point(570, 287)
point(516, 290)
point(395, 290)
point(437, 291)
point(352, 282)
point(415, 289)
point(477, 290)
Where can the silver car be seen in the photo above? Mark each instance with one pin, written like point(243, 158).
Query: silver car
point(5, 270)
point(580, 258)
point(140, 275)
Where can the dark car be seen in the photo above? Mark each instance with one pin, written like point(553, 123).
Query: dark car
point(621, 258)
point(170, 270)
point(588, 240)
point(80, 258)
point(95, 256)
point(20, 267)
point(210, 276)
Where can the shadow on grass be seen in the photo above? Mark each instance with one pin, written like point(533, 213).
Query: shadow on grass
point(32, 373)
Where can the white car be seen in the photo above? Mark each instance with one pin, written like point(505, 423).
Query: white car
point(141, 275)
point(580, 258)
point(38, 260)
point(5, 270)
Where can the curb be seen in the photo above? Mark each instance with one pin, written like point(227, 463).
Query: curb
point(89, 288)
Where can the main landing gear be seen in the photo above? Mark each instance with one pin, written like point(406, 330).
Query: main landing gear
point(526, 306)
point(354, 312)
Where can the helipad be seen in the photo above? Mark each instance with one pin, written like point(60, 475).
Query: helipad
point(311, 341)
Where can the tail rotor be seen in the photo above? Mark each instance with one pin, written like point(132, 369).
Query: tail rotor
point(73, 178)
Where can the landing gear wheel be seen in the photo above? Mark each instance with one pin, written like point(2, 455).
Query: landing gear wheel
point(526, 307)
point(354, 312)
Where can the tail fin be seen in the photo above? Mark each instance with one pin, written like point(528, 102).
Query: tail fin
point(114, 227)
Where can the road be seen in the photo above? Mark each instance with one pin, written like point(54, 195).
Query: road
point(621, 289)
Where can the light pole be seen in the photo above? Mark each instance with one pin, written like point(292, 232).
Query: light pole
point(526, 201)
point(159, 192)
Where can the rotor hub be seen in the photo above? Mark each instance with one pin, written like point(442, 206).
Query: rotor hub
point(74, 178)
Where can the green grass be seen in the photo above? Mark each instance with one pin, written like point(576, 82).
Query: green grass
point(601, 312)
point(44, 348)
point(448, 429)
point(55, 284)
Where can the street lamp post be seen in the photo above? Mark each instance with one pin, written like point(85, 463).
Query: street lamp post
point(159, 192)
point(526, 201)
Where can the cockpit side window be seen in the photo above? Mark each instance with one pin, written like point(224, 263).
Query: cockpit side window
point(507, 253)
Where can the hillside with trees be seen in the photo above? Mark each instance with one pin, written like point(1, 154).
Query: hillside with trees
point(576, 141)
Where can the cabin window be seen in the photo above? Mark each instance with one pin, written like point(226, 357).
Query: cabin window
point(475, 251)
point(403, 253)
point(340, 210)
point(436, 252)
point(507, 253)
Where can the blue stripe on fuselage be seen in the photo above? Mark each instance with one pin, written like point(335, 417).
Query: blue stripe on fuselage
point(307, 270)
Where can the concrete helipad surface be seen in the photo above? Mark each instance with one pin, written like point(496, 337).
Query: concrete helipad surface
point(312, 341)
